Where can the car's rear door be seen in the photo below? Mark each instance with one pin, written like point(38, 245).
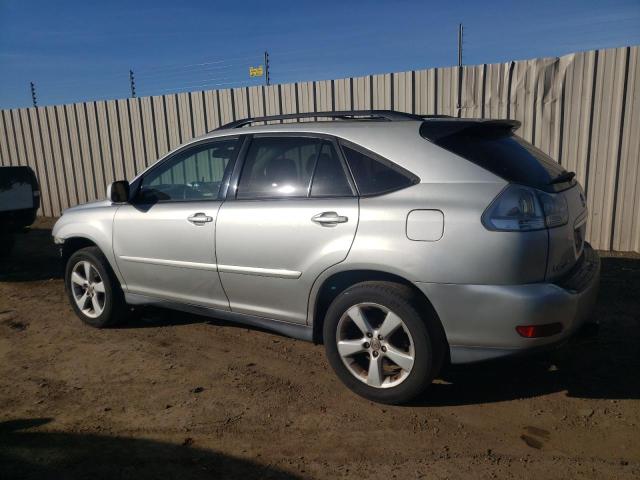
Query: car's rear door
point(164, 240)
point(290, 214)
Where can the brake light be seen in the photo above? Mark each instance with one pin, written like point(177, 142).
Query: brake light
point(536, 331)
point(519, 209)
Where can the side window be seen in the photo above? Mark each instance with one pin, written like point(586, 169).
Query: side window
point(374, 177)
point(195, 174)
point(329, 178)
point(278, 167)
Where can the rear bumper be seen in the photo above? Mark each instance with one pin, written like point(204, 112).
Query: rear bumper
point(480, 320)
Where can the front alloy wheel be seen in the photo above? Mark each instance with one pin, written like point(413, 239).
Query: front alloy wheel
point(93, 289)
point(88, 289)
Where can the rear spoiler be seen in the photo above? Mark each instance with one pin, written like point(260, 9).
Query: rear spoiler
point(436, 130)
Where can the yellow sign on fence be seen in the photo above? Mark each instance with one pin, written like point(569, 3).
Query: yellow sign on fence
point(255, 71)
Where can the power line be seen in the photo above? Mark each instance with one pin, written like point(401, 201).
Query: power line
point(199, 87)
point(186, 72)
point(195, 65)
point(189, 81)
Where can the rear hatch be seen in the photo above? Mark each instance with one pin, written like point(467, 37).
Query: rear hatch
point(492, 145)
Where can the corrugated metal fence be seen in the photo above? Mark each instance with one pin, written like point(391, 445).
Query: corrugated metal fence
point(583, 109)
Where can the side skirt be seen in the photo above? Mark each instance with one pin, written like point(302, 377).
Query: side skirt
point(294, 330)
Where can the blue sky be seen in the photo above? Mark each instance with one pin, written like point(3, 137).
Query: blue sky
point(83, 50)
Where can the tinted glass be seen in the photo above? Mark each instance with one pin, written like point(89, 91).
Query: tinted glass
point(372, 176)
point(329, 178)
point(506, 155)
point(278, 167)
point(195, 174)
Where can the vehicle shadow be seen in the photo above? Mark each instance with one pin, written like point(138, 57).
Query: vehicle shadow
point(603, 365)
point(600, 362)
point(33, 257)
point(29, 453)
point(155, 317)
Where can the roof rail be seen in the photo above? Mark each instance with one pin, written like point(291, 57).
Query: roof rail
point(385, 115)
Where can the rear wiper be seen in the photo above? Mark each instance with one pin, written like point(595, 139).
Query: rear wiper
point(563, 177)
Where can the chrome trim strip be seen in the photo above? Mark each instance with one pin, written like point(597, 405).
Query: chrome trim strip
point(171, 263)
point(263, 272)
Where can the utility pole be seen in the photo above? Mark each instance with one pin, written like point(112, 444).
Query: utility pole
point(132, 82)
point(33, 94)
point(460, 33)
point(267, 80)
point(459, 102)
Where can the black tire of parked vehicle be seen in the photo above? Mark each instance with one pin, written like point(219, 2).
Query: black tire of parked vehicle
point(426, 332)
point(115, 310)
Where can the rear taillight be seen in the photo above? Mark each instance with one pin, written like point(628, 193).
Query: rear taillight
point(536, 331)
point(521, 209)
point(556, 210)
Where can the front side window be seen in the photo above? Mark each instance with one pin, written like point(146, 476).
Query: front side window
point(277, 167)
point(373, 176)
point(195, 174)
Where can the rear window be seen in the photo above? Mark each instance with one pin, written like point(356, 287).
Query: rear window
point(496, 149)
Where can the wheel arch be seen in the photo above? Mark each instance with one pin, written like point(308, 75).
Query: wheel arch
point(77, 242)
point(73, 244)
point(338, 282)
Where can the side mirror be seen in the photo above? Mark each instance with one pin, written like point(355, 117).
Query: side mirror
point(118, 192)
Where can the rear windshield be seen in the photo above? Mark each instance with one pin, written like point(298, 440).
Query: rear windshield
point(497, 149)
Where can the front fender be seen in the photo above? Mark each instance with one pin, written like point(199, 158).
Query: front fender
point(95, 225)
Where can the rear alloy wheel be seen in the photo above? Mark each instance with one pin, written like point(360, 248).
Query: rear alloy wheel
point(380, 354)
point(383, 342)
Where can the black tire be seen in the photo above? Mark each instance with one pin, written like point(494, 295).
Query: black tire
point(115, 309)
point(429, 342)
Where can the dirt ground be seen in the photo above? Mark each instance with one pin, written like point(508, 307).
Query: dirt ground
point(179, 396)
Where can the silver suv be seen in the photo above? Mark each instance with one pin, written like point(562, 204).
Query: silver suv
point(401, 242)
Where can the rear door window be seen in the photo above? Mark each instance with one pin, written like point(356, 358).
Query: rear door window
point(375, 176)
point(329, 177)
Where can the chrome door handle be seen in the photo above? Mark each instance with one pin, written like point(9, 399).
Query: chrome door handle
point(199, 218)
point(329, 219)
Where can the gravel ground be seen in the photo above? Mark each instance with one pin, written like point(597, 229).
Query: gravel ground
point(176, 395)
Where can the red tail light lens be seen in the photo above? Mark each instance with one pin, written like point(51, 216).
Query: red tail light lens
point(536, 331)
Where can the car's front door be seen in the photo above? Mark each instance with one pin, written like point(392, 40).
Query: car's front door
point(292, 215)
point(164, 240)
